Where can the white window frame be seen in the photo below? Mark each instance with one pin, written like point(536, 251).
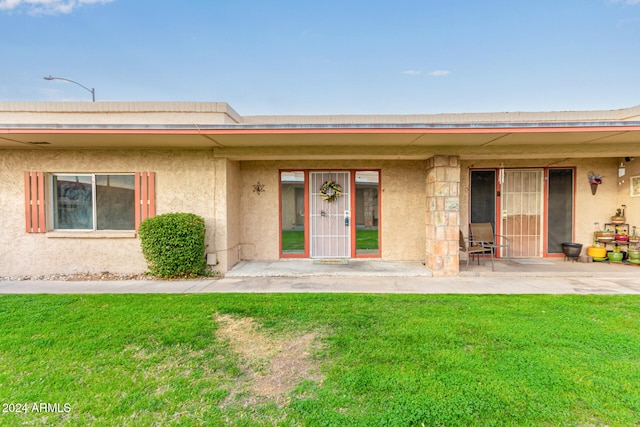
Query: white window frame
point(54, 201)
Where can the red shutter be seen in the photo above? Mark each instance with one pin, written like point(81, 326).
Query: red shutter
point(34, 202)
point(145, 190)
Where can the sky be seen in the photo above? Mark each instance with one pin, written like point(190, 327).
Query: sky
point(270, 57)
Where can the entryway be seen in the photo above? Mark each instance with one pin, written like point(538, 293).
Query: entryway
point(533, 207)
point(330, 214)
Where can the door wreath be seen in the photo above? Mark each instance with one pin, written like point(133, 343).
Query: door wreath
point(330, 191)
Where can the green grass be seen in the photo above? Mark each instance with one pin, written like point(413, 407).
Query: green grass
point(367, 239)
point(387, 360)
point(293, 240)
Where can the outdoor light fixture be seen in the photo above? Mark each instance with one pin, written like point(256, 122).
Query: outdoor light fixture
point(621, 170)
point(93, 91)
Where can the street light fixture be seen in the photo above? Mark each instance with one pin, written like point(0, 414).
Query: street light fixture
point(93, 91)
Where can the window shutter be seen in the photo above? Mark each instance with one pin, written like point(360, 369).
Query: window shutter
point(34, 202)
point(145, 188)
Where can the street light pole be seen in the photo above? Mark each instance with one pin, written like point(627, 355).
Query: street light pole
point(93, 91)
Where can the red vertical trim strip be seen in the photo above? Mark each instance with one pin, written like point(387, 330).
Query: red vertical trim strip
point(145, 196)
point(40, 201)
point(145, 190)
point(307, 215)
point(352, 209)
point(136, 190)
point(545, 211)
point(34, 202)
point(280, 213)
point(152, 194)
point(27, 201)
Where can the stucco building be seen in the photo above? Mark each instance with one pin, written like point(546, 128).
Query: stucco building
point(77, 179)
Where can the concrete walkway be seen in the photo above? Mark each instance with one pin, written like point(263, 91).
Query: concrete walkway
point(557, 277)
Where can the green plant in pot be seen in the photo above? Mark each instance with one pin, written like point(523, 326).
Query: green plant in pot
point(615, 255)
point(619, 217)
point(634, 255)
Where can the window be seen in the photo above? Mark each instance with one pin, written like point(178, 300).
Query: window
point(88, 202)
point(93, 202)
point(367, 213)
point(292, 208)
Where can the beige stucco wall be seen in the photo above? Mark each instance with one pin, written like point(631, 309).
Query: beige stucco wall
point(184, 183)
point(403, 206)
point(588, 208)
point(227, 213)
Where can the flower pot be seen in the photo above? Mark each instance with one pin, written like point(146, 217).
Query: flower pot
point(617, 219)
point(615, 256)
point(634, 254)
point(571, 250)
point(605, 235)
point(597, 251)
point(622, 238)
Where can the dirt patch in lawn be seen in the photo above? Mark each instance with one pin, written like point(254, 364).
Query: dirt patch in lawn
point(272, 365)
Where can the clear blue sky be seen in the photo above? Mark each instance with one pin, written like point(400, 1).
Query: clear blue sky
point(327, 56)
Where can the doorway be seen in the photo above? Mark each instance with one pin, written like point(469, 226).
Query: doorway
point(330, 214)
point(521, 211)
point(533, 207)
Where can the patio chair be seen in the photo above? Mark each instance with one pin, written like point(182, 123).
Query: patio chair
point(471, 249)
point(483, 235)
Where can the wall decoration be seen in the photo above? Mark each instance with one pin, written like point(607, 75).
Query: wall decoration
point(330, 191)
point(635, 186)
point(258, 188)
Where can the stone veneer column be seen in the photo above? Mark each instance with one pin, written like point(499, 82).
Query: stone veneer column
point(443, 215)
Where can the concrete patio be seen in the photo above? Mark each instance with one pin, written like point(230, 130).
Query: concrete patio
point(539, 267)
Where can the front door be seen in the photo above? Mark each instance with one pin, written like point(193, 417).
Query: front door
point(521, 211)
point(330, 214)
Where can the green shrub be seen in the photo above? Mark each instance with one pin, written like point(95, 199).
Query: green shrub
point(173, 245)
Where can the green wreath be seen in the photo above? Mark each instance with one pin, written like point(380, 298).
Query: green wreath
point(330, 191)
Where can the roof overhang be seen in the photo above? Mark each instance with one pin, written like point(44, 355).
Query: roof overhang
point(216, 126)
point(361, 141)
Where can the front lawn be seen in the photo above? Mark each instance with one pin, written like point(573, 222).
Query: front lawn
point(356, 360)
point(293, 240)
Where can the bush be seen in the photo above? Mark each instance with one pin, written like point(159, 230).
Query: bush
point(173, 245)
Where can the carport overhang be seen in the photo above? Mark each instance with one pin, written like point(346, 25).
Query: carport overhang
point(415, 141)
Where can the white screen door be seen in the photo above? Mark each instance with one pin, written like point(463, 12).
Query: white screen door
point(330, 228)
point(522, 211)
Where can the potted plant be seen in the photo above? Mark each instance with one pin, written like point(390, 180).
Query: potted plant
point(634, 255)
point(595, 179)
point(621, 235)
point(619, 217)
point(615, 255)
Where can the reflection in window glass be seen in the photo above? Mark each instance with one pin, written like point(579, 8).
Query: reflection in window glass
point(82, 201)
point(367, 215)
point(115, 206)
point(73, 200)
point(292, 199)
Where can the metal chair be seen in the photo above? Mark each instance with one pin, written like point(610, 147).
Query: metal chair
point(482, 234)
point(471, 249)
